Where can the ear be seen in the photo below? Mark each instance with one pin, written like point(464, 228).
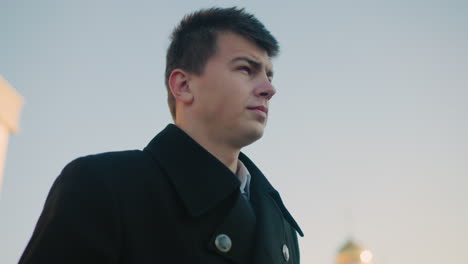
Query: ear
point(179, 86)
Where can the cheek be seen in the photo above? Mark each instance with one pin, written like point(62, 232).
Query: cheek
point(213, 102)
point(234, 97)
point(226, 105)
point(224, 95)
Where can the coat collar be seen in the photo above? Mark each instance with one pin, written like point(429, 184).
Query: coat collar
point(260, 185)
point(200, 179)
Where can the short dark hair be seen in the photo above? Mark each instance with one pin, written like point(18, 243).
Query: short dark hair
point(193, 41)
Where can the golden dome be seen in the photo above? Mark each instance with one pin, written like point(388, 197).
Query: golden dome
point(352, 253)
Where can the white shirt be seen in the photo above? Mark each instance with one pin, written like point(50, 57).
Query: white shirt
point(244, 177)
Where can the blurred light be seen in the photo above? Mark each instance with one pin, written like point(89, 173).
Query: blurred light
point(10, 106)
point(366, 256)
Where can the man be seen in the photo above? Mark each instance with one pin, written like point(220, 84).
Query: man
point(190, 196)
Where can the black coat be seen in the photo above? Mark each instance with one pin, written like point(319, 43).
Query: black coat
point(165, 204)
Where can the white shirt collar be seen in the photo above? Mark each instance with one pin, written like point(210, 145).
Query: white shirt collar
point(244, 177)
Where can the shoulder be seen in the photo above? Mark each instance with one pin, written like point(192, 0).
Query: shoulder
point(110, 162)
point(114, 171)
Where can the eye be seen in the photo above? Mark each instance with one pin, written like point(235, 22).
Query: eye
point(245, 69)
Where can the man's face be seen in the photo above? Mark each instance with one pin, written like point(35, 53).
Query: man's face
point(231, 96)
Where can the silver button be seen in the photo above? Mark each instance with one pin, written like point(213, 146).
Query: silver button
point(223, 243)
point(285, 252)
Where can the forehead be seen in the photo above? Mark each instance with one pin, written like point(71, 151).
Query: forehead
point(230, 45)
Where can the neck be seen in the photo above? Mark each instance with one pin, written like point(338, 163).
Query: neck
point(221, 150)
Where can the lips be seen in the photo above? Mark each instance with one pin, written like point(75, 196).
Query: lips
point(260, 107)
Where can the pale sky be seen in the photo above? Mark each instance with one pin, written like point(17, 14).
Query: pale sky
point(367, 136)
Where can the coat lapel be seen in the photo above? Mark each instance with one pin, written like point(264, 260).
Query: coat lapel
point(271, 215)
point(207, 188)
point(200, 179)
point(269, 230)
point(239, 226)
point(204, 185)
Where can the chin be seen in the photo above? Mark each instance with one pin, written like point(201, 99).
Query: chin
point(251, 135)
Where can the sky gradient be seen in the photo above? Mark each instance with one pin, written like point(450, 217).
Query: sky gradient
point(367, 134)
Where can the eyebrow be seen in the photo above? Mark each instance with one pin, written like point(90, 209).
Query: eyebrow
point(256, 64)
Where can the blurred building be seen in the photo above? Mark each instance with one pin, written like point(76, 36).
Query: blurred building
point(10, 106)
point(352, 253)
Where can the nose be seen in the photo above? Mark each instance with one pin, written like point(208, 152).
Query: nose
point(265, 89)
